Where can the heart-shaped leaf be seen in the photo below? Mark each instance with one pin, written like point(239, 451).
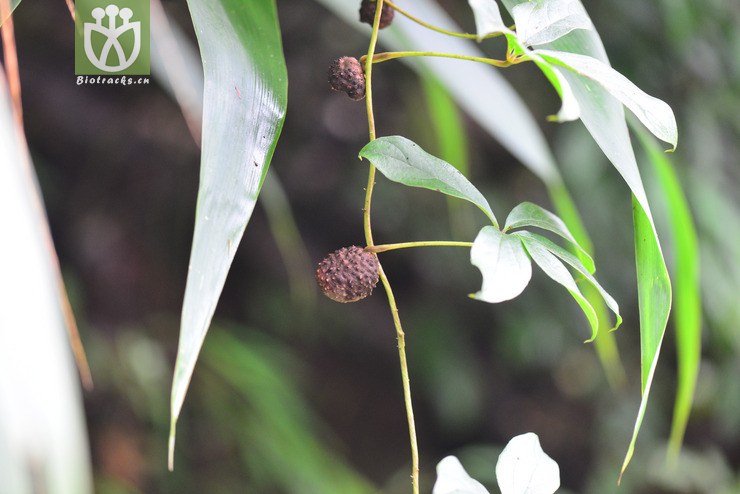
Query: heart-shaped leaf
point(453, 479)
point(523, 468)
point(403, 161)
point(504, 264)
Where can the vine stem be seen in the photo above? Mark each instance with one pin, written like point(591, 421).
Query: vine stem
point(427, 243)
point(439, 29)
point(400, 336)
point(390, 55)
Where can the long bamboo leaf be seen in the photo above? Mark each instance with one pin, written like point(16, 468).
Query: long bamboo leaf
point(43, 443)
point(245, 98)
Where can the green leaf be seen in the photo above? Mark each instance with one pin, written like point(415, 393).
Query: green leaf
point(654, 293)
point(687, 313)
point(403, 161)
point(543, 21)
point(504, 264)
point(245, 98)
point(529, 214)
point(603, 116)
point(655, 114)
point(43, 438)
point(487, 18)
point(554, 268)
point(574, 262)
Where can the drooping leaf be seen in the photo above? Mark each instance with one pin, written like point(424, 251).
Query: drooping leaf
point(654, 293)
point(487, 17)
point(554, 268)
point(542, 21)
point(523, 468)
point(603, 117)
point(530, 238)
point(453, 479)
point(529, 214)
point(43, 438)
point(244, 106)
point(686, 278)
point(403, 161)
point(655, 114)
point(504, 264)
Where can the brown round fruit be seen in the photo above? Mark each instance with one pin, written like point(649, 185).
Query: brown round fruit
point(346, 74)
point(348, 274)
point(367, 13)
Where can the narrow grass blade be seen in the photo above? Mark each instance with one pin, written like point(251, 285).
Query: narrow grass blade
point(245, 97)
point(654, 292)
point(687, 307)
point(452, 144)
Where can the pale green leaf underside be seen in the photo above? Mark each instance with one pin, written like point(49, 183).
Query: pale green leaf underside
point(453, 479)
point(244, 106)
point(529, 214)
point(524, 468)
point(487, 17)
point(655, 114)
point(403, 161)
point(557, 271)
point(43, 439)
point(504, 264)
point(542, 21)
point(575, 263)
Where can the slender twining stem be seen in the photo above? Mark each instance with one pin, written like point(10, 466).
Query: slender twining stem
point(382, 57)
point(401, 339)
point(427, 243)
point(370, 122)
point(400, 336)
point(439, 29)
